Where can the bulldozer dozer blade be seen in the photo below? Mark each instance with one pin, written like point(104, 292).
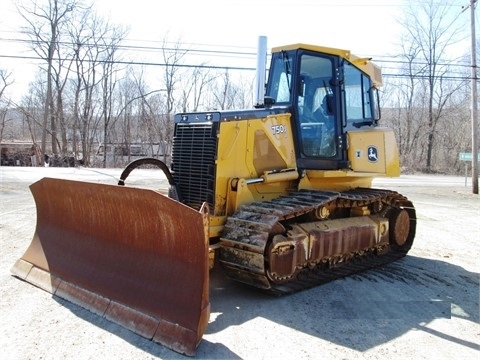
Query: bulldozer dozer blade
point(131, 255)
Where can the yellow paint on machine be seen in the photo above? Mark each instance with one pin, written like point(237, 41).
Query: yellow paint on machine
point(374, 151)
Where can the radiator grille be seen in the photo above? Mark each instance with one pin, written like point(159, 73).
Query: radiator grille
point(193, 162)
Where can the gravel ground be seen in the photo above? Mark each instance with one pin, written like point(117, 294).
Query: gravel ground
point(425, 306)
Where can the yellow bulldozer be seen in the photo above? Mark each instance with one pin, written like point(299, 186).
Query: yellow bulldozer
point(280, 196)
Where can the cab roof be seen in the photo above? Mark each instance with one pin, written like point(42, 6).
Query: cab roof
point(364, 64)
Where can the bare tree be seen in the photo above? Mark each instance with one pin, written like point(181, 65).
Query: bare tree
point(408, 129)
point(147, 129)
point(87, 61)
point(32, 111)
point(5, 81)
point(195, 82)
point(111, 40)
point(125, 116)
point(430, 31)
point(229, 93)
point(46, 23)
point(172, 58)
point(223, 92)
point(95, 44)
point(245, 89)
point(154, 110)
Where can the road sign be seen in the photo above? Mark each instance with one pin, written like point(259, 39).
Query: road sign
point(468, 157)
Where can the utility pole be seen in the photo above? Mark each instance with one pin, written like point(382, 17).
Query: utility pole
point(474, 98)
point(474, 102)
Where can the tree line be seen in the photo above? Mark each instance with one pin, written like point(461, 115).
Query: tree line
point(428, 108)
point(87, 97)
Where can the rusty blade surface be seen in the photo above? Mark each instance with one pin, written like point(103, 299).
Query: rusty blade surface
point(131, 255)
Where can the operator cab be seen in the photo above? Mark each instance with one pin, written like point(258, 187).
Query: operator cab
point(328, 96)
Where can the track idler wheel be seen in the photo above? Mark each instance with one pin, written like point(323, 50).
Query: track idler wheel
point(399, 222)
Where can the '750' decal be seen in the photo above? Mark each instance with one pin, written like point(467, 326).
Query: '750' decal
point(279, 129)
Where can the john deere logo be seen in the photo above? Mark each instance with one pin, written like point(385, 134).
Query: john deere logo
point(372, 152)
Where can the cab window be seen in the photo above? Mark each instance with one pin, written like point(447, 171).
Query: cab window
point(280, 78)
point(358, 104)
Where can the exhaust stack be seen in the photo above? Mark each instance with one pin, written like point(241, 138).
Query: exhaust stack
point(261, 72)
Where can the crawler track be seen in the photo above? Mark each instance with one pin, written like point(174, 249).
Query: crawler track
point(247, 243)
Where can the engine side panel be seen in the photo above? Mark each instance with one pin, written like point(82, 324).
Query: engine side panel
point(373, 151)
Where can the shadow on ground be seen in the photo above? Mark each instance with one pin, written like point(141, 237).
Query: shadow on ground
point(389, 301)
point(358, 312)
